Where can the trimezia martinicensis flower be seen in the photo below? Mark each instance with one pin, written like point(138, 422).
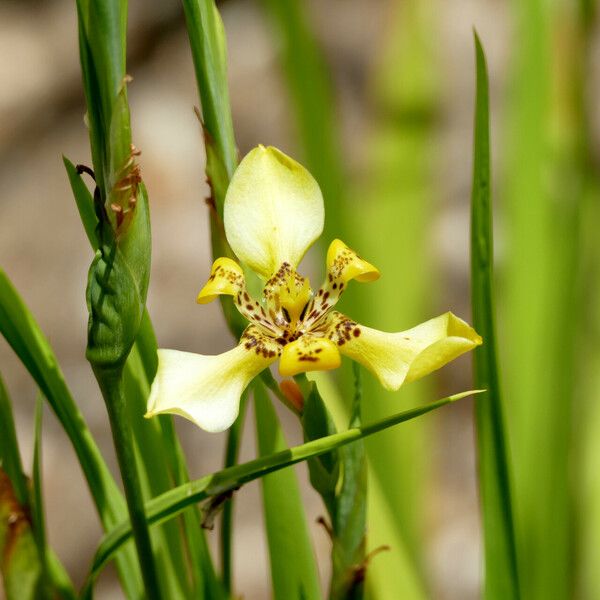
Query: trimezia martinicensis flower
point(273, 213)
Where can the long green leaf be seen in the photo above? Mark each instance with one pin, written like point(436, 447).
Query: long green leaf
point(294, 573)
point(501, 574)
point(172, 503)
point(23, 334)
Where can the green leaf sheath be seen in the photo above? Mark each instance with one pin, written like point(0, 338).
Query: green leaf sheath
point(349, 525)
point(24, 335)
point(294, 573)
point(170, 504)
point(501, 573)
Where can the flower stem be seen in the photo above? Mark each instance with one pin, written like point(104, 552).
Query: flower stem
point(231, 458)
point(111, 384)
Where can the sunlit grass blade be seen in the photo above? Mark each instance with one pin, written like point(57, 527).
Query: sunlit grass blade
point(541, 197)
point(294, 573)
point(500, 559)
point(23, 334)
point(312, 98)
point(170, 504)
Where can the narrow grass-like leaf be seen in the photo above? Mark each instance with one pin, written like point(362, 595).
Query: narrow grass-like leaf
point(294, 573)
point(23, 334)
point(500, 558)
point(170, 504)
point(37, 507)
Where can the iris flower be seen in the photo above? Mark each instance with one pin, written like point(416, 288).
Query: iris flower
point(273, 213)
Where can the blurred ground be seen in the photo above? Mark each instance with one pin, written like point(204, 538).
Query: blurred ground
point(44, 250)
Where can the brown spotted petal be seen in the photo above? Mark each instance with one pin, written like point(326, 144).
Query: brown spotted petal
point(310, 352)
point(397, 358)
point(207, 389)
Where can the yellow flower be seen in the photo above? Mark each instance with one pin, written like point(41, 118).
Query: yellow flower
point(273, 213)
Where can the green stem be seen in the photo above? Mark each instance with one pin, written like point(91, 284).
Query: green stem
point(111, 384)
point(231, 457)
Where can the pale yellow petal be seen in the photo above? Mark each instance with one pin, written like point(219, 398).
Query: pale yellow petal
point(309, 353)
point(273, 211)
point(397, 358)
point(207, 389)
point(226, 277)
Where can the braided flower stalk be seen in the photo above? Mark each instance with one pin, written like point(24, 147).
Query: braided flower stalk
point(273, 213)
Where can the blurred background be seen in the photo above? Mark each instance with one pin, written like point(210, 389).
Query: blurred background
point(399, 75)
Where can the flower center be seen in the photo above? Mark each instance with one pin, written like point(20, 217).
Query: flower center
point(287, 295)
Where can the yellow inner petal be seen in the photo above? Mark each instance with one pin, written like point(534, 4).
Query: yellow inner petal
point(309, 353)
point(343, 264)
point(226, 277)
